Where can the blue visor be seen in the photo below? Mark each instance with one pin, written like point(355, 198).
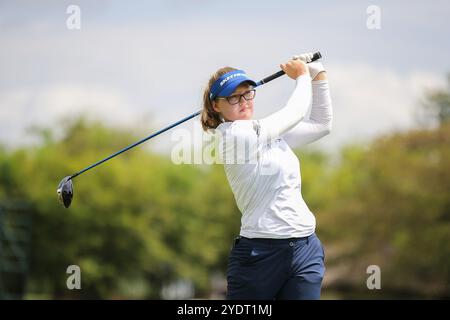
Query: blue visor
point(227, 83)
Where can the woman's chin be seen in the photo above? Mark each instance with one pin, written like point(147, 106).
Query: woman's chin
point(246, 115)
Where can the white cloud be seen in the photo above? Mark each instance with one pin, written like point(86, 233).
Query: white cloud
point(44, 106)
point(367, 102)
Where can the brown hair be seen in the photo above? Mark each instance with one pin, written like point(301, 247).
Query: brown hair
point(210, 118)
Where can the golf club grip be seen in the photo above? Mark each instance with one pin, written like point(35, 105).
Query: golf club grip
point(278, 74)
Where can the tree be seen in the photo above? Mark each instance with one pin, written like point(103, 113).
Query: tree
point(389, 206)
point(437, 104)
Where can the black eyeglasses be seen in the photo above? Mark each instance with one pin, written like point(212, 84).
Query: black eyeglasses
point(235, 99)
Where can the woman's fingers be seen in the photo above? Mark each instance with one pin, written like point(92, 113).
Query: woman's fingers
point(294, 68)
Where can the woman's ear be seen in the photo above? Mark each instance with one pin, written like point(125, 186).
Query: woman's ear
point(215, 107)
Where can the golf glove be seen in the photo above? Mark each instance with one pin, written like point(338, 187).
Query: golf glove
point(314, 67)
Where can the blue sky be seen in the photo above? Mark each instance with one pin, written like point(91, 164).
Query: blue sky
point(144, 63)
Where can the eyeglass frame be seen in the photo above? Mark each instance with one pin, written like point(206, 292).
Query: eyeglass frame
point(240, 97)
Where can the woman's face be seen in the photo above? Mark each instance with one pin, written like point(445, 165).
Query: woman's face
point(243, 110)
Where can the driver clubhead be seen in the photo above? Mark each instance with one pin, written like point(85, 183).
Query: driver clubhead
point(65, 191)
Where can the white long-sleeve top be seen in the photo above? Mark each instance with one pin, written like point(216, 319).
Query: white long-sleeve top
point(262, 170)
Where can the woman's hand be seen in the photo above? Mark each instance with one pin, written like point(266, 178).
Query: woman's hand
point(316, 69)
point(294, 68)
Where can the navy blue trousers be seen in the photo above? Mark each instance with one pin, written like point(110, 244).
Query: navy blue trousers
point(268, 269)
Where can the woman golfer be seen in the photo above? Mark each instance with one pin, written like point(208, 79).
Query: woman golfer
point(277, 255)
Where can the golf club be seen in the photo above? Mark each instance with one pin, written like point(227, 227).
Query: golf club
point(65, 187)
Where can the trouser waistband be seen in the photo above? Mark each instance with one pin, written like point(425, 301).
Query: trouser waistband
point(275, 242)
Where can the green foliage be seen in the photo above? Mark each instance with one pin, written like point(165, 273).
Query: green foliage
point(391, 208)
